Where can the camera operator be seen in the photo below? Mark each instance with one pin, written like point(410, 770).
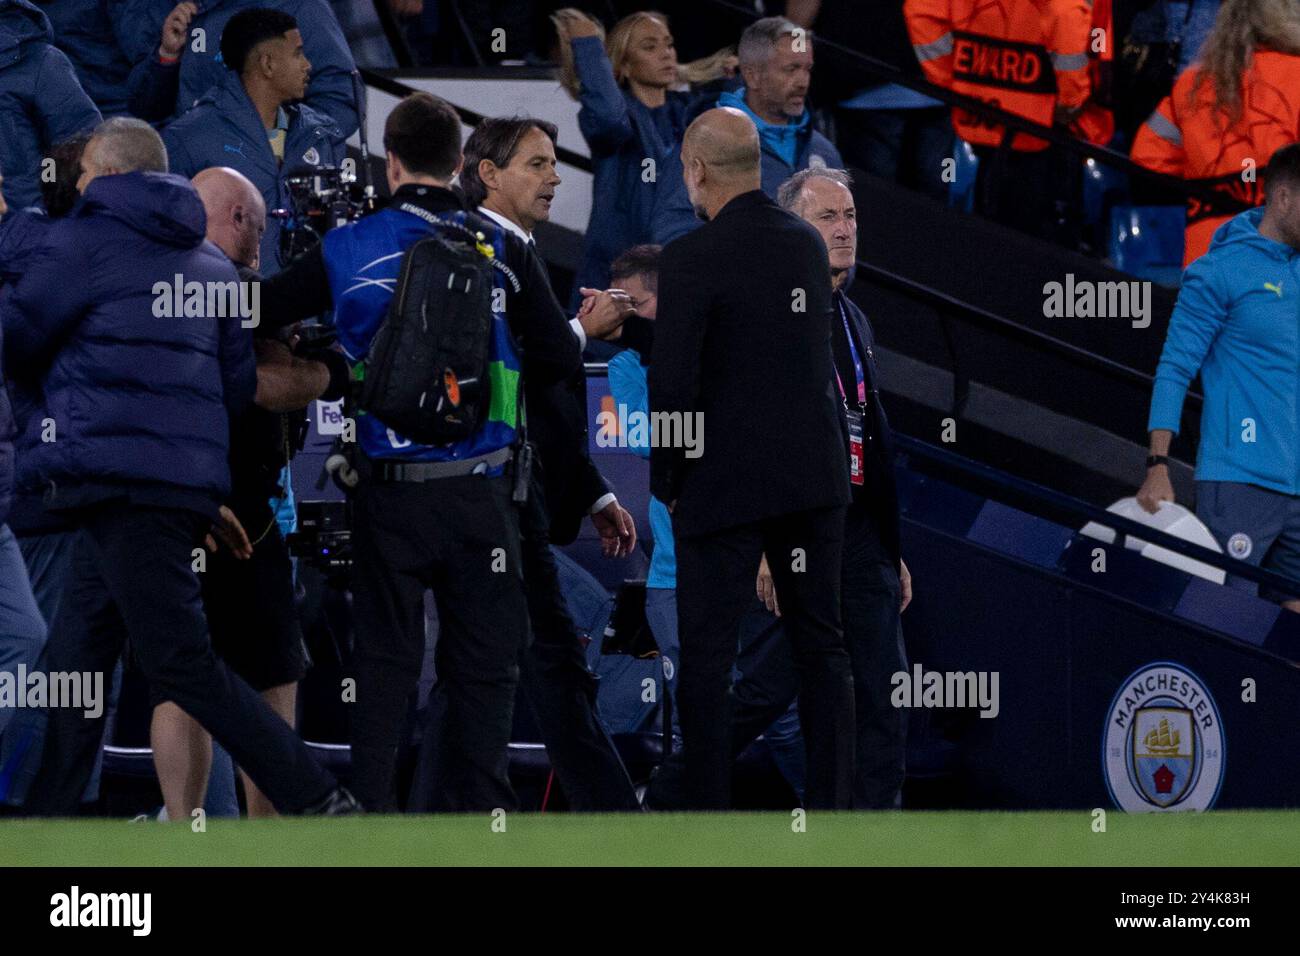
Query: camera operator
point(248, 590)
point(434, 516)
point(253, 107)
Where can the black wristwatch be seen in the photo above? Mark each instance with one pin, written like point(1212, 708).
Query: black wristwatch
point(1153, 460)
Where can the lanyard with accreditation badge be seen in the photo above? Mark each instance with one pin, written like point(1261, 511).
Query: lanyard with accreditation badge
point(854, 415)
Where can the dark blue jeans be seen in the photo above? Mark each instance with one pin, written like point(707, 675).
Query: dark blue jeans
point(22, 643)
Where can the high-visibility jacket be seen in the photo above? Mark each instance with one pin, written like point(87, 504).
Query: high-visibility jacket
point(1024, 56)
point(1187, 137)
point(1096, 123)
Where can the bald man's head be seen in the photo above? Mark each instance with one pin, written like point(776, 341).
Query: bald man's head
point(720, 159)
point(236, 213)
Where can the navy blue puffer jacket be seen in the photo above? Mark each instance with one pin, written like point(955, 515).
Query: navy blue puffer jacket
point(135, 397)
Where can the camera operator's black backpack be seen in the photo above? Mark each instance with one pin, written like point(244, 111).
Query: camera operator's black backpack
point(426, 375)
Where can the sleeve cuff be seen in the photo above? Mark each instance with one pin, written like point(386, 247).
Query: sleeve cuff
point(1166, 406)
point(580, 332)
point(603, 502)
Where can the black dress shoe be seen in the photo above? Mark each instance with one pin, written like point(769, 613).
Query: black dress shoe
point(338, 803)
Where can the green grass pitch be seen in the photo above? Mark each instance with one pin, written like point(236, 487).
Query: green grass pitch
point(1227, 838)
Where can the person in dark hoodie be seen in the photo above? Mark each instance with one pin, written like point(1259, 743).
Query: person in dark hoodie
point(174, 47)
point(41, 101)
point(137, 396)
point(250, 122)
point(776, 62)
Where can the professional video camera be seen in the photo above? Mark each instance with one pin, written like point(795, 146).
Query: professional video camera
point(324, 537)
point(320, 199)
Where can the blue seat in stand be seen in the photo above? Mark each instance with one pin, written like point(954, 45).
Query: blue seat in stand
point(1147, 242)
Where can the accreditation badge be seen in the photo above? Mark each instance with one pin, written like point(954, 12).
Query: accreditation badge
point(856, 472)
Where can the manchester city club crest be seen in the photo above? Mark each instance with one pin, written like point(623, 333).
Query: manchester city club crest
point(1163, 748)
point(1239, 546)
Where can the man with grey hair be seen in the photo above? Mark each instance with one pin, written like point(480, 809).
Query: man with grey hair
point(122, 144)
point(875, 585)
point(138, 382)
point(776, 62)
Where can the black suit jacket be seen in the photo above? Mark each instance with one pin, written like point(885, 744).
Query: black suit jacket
point(557, 426)
point(732, 344)
point(879, 490)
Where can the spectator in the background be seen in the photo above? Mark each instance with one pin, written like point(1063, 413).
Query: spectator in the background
point(364, 31)
point(173, 69)
point(251, 122)
point(1162, 39)
point(776, 63)
point(884, 128)
point(1230, 113)
point(632, 119)
point(41, 102)
point(636, 272)
point(962, 45)
point(90, 33)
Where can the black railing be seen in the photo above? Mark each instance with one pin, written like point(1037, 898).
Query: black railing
point(1060, 503)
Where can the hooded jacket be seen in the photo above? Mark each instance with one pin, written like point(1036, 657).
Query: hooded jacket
point(224, 129)
point(1235, 323)
point(160, 92)
point(785, 150)
point(138, 398)
point(41, 102)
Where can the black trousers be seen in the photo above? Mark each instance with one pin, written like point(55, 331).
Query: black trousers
point(869, 599)
point(558, 684)
point(715, 586)
point(768, 683)
point(132, 575)
point(458, 537)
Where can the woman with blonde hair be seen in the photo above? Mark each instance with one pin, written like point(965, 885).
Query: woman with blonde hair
point(633, 116)
point(1229, 112)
